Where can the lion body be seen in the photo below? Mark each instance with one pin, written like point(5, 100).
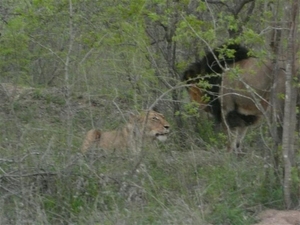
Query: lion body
point(242, 94)
point(148, 126)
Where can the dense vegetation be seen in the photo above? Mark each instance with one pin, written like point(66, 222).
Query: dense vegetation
point(70, 65)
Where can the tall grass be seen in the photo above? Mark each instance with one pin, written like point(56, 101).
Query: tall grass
point(43, 183)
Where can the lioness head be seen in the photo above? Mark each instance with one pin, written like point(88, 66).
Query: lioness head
point(155, 125)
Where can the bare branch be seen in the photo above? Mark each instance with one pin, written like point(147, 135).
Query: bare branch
point(240, 6)
point(236, 10)
point(30, 174)
point(218, 2)
point(249, 12)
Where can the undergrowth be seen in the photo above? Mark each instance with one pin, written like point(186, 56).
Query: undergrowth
point(45, 181)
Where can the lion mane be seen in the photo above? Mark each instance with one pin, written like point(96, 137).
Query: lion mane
point(147, 126)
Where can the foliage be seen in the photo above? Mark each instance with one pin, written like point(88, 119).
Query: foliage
point(88, 64)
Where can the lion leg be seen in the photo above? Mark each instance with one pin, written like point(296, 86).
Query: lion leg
point(92, 137)
point(235, 138)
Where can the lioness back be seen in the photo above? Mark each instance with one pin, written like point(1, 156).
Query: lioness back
point(148, 126)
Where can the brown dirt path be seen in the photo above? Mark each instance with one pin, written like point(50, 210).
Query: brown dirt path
point(279, 217)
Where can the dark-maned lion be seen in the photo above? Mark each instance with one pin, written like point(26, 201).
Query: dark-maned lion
point(236, 89)
point(148, 126)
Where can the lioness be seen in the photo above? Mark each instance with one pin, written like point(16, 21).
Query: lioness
point(147, 126)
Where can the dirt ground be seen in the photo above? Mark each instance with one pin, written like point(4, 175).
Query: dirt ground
point(279, 217)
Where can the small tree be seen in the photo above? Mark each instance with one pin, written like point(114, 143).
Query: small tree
point(289, 121)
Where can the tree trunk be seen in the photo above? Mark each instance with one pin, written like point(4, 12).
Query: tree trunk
point(289, 120)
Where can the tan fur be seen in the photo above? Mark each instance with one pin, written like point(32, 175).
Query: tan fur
point(250, 88)
point(147, 126)
point(279, 217)
point(249, 92)
point(246, 91)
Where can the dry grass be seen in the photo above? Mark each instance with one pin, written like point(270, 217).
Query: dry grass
point(45, 180)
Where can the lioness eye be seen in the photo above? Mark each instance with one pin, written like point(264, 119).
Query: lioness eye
point(155, 118)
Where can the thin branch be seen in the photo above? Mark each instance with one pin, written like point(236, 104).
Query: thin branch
point(240, 6)
point(167, 92)
point(206, 43)
point(45, 47)
point(117, 106)
point(249, 12)
point(218, 3)
point(236, 10)
point(30, 175)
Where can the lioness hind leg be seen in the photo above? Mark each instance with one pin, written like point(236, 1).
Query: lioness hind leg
point(92, 137)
